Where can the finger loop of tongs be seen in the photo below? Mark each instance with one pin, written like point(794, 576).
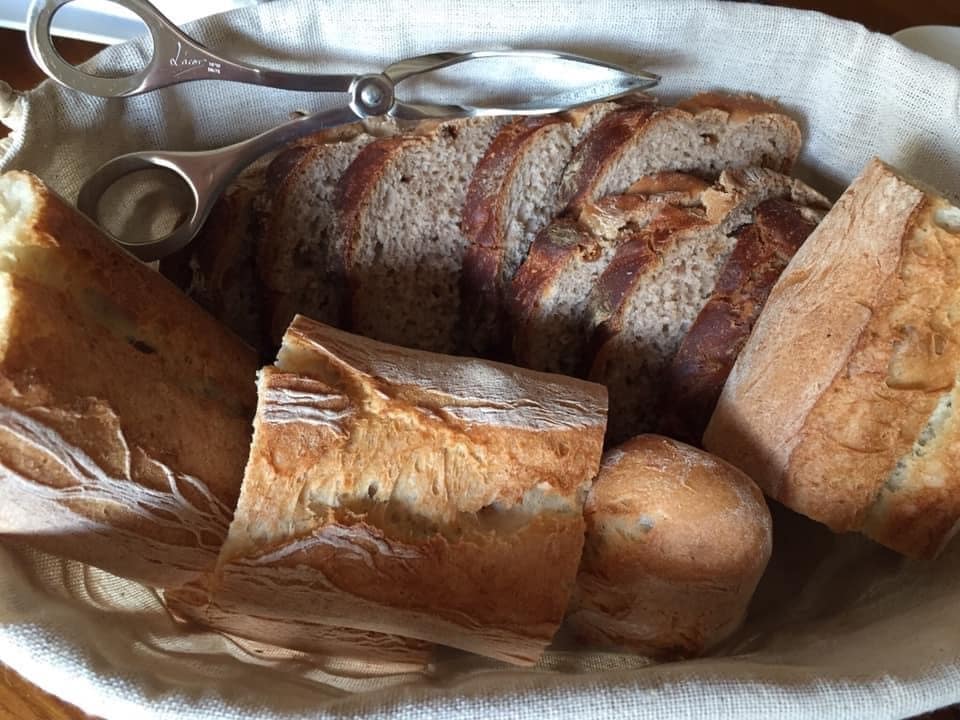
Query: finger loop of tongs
point(177, 58)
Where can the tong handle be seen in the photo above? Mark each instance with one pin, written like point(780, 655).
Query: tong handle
point(624, 82)
point(205, 174)
point(176, 58)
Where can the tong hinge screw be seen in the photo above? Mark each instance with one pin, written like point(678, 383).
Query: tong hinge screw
point(372, 95)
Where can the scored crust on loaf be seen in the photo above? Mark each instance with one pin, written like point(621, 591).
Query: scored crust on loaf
point(841, 403)
point(124, 408)
point(511, 197)
point(400, 207)
point(676, 543)
point(403, 492)
point(702, 135)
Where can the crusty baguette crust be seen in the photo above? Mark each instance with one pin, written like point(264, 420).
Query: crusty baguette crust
point(410, 493)
point(677, 541)
point(833, 404)
point(697, 372)
point(124, 408)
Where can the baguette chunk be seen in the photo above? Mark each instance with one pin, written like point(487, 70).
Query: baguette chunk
point(410, 493)
point(124, 408)
point(841, 403)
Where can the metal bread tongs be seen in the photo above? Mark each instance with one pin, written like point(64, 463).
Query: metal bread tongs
point(177, 58)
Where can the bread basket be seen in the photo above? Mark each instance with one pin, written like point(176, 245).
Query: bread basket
point(840, 627)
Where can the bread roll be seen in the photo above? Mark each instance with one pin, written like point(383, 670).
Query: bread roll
point(676, 543)
point(124, 408)
point(840, 404)
point(404, 492)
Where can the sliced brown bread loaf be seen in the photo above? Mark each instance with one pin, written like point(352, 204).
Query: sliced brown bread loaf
point(511, 197)
point(657, 284)
point(400, 204)
point(294, 258)
point(702, 135)
point(550, 291)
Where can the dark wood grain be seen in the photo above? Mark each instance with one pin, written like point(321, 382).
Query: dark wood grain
point(22, 701)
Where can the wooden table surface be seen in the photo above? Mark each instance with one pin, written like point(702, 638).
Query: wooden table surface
point(19, 699)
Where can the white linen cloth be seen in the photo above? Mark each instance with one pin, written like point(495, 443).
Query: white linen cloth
point(840, 628)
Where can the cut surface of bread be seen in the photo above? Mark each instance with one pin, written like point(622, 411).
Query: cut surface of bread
point(841, 403)
point(217, 270)
point(400, 206)
point(655, 287)
point(702, 136)
point(511, 197)
point(404, 492)
point(124, 408)
point(677, 541)
point(550, 293)
point(643, 305)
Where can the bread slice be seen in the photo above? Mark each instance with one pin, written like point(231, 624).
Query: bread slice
point(656, 285)
point(677, 541)
point(217, 270)
point(404, 492)
point(694, 378)
point(702, 135)
point(299, 253)
point(840, 404)
point(643, 304)
point(400, 206)
point(124, 408)
point(550, 293)
point(511, 198)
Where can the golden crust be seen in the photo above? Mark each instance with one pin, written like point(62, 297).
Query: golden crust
point(857, 346)
point(124, 408)
point(677, 541)
point(410, 493)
